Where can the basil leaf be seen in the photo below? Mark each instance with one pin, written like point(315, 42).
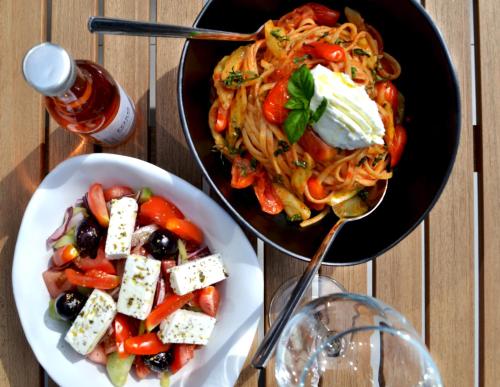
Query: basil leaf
point(353, 72)
point(301, 83)
point(319, 111)
point(295, 124)
point(296, 104)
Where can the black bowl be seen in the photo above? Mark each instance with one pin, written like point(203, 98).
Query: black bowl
point(428, 82)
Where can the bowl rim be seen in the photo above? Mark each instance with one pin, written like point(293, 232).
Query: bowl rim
point(241, 220)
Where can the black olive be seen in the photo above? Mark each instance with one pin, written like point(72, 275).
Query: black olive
point(88, 236)
point(69, 304)
point(159, 362)
point(162, 244)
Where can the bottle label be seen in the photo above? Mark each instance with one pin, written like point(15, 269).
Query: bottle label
point(121, 126)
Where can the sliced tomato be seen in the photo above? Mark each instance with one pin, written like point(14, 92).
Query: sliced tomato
point(397, 145)
point(182, 354)
point(95, 279)
point(123, 331)
point(208, 300)
point(185, 229)
point(323, 16)
point(274, 104)
point(64, 255)
point(147, 344)
point(167, 307)
point(158, 210)
point(100, 262)
point(165, 265)
point(387, 92)
point(316, 147)
point(98, 355)
point(56, 282)
point(317, 191)
point(117, 192)
point(326, 51)
point(97, 204)
point(267, 197)
point(242, 173)
point(141, 369)
point(221, 120)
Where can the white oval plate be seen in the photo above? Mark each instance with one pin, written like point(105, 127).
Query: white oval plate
point(221, 361)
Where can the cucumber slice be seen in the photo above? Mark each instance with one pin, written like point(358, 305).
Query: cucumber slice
point(165, 379)
point(145, 195)
point(66, 239)
point(52, 311)
point(183, 258)
point(118, 369)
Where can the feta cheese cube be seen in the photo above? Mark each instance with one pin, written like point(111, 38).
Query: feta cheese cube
point(121, 227)
point(197, 274)
point(138, 287)
point(92, 322)
point(187, 327)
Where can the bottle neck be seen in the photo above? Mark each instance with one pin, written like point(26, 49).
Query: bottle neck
point(79, 92)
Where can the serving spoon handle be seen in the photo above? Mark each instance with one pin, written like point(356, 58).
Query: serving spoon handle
point(266, 348)
point(114, 26)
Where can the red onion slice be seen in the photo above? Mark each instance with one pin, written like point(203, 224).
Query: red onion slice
point(61, 230)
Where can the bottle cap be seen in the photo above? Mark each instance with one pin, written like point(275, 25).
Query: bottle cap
point(49, 69)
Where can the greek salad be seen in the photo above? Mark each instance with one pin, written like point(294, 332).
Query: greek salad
point(135, 282)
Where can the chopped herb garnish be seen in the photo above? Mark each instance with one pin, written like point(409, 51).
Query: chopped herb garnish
point(279, 36)
point(377, 77)
point(363, 194)
point(324, 35)
point(377, 159)
point(353, 72)
point(253, 164)
point(362, 161)
point(301, 90)
point(339, 41)
point(301, 59)
point(300, 163)
point(294, 218)
point(237, 78)
point(283, 147)
point(361, 52)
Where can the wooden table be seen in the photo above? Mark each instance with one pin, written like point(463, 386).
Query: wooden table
point(444, 277)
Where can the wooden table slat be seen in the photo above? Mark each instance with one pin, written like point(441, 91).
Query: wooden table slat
point(22, 131)
point(450, 315)
point(489, 61)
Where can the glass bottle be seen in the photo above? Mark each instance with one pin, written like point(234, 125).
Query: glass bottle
point(80, 95)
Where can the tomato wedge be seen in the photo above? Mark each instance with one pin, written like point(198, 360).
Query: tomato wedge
point(208, 300)
point(117, 192)
point(123, 331)
point(96, 279)
point(56, 282)
point(397, 145)
point(267, 197)
point(185, 229)
point(97, 204)
point(158, 210)
point(141, 369)
point(242, 173)
point(326, 51)
point(100, 262)
point(165, 265)
point(64, 255)
point(274, 104)
point(323, 16)
point(317, 191)
point(182, 354)
point(147, 344)
point(167, 307)
point(221, 120)
point(387, 92)
point(316, 147)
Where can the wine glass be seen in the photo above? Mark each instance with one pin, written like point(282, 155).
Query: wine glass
point(358, 340)
point(321, 285)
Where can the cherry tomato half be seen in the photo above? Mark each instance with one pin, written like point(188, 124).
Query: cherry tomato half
point(208, 299)
point(64, 255)
point(221, 120)
point(324, 16)
point(274, 104)
point(317, 191)
point(397, 145)
point(242, 173)
point(387, 92)
point(267, 197)
point(326, 51)
point(97, 204)
point(316, 147)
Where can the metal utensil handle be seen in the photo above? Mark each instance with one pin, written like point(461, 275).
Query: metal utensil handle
point(266, 348)
point(141, 28)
